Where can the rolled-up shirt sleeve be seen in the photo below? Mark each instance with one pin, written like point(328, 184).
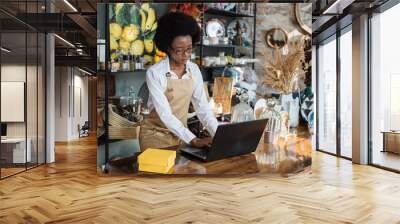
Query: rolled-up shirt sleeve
point(201, 105)
point(163, 109)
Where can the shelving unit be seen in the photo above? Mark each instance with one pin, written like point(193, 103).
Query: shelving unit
point(221, 46)
point(113, 73)
point(230, 16)
point(223, 66)
point(104, 139)
point(220, 12)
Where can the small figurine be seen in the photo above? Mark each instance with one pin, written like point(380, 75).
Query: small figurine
point(238, 38)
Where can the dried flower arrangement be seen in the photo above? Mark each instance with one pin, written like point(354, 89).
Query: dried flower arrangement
point(282, 71)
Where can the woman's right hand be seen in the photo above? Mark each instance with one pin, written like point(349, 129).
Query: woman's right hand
point(201, 142)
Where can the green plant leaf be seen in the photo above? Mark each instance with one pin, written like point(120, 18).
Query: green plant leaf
point(150, 36)
point(135, 15)
point(111, 11)
point(123, 15)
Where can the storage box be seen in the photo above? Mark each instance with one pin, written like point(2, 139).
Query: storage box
point(156, 160)
point(155, 169)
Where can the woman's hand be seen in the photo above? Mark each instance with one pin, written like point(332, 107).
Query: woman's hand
point(201, 142)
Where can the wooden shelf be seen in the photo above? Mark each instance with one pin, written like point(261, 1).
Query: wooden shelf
point(223, 66)
point(222, 46)
point(113, 73)
point(212, 67)
point(220, 12)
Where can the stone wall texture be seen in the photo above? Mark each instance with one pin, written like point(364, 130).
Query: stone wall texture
point(274, 15)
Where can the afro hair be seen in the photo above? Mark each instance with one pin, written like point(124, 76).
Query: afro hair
point(172, 25)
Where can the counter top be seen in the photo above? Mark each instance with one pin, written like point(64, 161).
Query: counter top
point(289, 156)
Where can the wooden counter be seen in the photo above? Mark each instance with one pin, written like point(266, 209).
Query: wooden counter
point(289, 156)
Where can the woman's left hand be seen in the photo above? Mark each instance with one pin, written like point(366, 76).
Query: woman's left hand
point(201, 142)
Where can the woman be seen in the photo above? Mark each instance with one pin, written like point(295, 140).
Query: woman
point(173, 83)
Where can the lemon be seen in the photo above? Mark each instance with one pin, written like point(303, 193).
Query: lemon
point(113, 43)
point(115, 30)
point(148, 45)
point(137, 47)
point(123, 44)
point(130, 33)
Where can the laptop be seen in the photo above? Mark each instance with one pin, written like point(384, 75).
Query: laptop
point(230, 140)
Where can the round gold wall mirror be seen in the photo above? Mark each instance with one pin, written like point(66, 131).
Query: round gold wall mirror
point(303, 13)
point(276, 38)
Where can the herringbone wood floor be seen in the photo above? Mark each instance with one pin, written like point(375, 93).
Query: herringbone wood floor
point(70, 191)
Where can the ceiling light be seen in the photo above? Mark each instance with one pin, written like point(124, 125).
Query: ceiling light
point(65, 41)
point(86, 72)
point(5, 50)
point(70, 5)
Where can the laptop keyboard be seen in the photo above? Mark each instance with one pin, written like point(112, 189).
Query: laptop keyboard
point(201, 152)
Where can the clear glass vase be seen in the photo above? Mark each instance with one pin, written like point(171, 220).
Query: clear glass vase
point(242, 111)
point(290, 103)
point(273, 128)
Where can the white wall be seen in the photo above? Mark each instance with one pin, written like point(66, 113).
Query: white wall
point(16, 73)
point(70, 83)
point(33, 127)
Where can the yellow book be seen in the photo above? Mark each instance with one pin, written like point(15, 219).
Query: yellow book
point(156, 169)
point(159, 159)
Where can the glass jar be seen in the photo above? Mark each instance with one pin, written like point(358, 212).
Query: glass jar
point(273, 127)
point(242, 111)
point(115, 65)
point(132, 62)
point(125, 63)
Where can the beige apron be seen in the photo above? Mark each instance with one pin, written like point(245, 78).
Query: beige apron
point(153, 132)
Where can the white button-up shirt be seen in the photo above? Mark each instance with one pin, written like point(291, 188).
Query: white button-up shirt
point(157, 83)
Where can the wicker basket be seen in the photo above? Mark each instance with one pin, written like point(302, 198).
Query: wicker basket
point(121, 128)
point(123, 132)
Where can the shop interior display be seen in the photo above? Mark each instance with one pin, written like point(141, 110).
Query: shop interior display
point(132, 28)
point(227, 27)
point(226, 58)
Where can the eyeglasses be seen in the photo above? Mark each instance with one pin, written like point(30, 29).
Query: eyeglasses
point(181, 51)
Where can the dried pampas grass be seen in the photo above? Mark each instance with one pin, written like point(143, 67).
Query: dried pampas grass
point(282, 71)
